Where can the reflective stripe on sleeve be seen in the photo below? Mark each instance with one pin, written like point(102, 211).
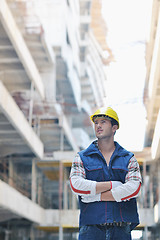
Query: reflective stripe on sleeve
point(133, 194)
point(77, 190)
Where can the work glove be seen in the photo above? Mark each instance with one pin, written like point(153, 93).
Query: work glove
point(97, 197)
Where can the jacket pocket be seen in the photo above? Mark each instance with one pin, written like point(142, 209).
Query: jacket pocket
point(94, 173)
point(119, 173)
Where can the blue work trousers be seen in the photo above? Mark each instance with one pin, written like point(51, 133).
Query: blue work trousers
point(98, 232)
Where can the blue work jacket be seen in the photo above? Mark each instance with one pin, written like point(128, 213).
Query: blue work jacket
point(97, 169)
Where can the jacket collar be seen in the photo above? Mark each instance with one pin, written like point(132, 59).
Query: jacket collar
point(93, 148)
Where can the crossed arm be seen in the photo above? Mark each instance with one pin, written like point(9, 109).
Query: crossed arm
point(104, 190)
point(91, 191)
point(105, 195)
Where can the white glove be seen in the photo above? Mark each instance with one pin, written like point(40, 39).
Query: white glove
point(92, 198)
point(115, 184)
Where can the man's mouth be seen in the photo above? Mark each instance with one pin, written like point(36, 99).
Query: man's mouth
point(99, 131)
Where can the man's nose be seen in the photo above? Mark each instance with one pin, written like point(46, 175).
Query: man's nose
point(99, 125)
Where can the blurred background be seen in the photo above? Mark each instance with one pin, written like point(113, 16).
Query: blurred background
point(60, 60)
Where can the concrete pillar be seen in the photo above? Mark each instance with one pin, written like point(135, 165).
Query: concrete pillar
point(11, 172)
point(145, 236)
point(36, 123)
point(32, 234)
point(62, 140)
point(34, 181)
point(144, 185)
point(65, 191)
point(60, 199)
point(151, 192)
point(7, 233)
point(70, 199)
point(60, 184)
point(60, 233)
point(40, 190)
point(31, 104)
point(49, 80)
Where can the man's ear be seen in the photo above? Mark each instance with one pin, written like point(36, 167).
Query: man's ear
point(115, 127)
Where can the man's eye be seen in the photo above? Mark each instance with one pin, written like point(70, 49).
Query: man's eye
point(103, 121)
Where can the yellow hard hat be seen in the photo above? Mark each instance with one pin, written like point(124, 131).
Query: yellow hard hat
point(108, 112)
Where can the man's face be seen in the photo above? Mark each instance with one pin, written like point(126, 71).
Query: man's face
point(103, 128)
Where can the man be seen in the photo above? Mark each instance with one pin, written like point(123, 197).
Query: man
point(107, 179)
